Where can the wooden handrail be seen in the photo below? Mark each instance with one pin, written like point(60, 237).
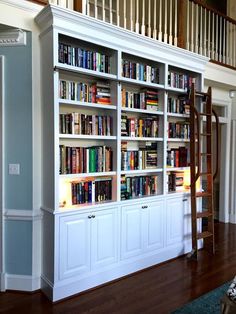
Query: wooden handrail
point(214, 11)
point(42, 2)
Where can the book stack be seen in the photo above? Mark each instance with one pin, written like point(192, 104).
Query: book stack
point(103, 93)
point(132, 187)
point(83, 58)
point(139, 71)
point(78, 123)
point(177, 157)
point(151, 98)
point(85, 159)
point(176, 182)
point(91, 191)
point(138, 127)
point(179, 130)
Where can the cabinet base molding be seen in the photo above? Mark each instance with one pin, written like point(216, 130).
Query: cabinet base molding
point(22, 283)
point(66, 288)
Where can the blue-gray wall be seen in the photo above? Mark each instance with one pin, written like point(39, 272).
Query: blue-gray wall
point(18, 149)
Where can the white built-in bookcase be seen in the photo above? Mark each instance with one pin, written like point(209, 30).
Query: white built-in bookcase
point(144, 228)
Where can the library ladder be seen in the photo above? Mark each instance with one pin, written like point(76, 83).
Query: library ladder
point(201, 141)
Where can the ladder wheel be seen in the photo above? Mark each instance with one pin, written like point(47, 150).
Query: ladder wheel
point(192, 255)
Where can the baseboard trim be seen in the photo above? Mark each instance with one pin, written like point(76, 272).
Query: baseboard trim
point(71, 286)
point(232, 218)
point(22, 283)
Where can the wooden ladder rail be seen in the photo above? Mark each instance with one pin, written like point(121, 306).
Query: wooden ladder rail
point(196, 169)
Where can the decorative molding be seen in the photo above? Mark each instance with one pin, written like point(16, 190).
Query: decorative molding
point(2, 282)
point(13, 37)
point(22, 283)
point(96, 31)
point(23, 5)
point(21, 214)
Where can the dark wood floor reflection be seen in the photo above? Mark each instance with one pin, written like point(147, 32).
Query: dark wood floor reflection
point(158, 290)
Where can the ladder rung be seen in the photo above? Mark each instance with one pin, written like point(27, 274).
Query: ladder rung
point(204, 114)
point(205, 234)
point(205, 173)
point(205, 134)
point(205, 154)
point(204, 214)
point(201, 94)
point(203, 194)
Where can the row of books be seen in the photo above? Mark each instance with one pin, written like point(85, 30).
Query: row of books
point(179, 130)
point(139, 71)
point(178, 105)
point(177, 157)
point(78, 123)
point(147, 99)
point(83, 58)
point(85, 159)
point(175, 182)
point(98, 92)
point(139, 127)
point(178, 80)
point(90, 191)
point(132, 187)
point(138, 160)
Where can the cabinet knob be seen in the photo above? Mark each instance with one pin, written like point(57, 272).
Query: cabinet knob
point(93, 216)
point(90, 216)
point(145, 206)
point(185, 200)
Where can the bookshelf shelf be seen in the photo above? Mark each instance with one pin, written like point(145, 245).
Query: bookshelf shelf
point(87, 175)
point(178, 115)
point(177, 168)
point(87, 137)
point(144, 139)
point(73, 103)
point(141, 83)
point(176, 90)
point(151, 112)
point(69, 68)
point(180, 140)
point(129, 172)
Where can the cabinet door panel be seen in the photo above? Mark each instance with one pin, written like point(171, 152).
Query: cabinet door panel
point(175, 220)
point(104, 239)
point(131, 231)
point(154, 231)
point(74, 251)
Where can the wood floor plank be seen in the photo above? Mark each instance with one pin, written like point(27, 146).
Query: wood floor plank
point(160, 289)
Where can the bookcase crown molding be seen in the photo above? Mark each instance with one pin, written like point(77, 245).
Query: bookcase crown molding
point(90, 29)
point(13, 37)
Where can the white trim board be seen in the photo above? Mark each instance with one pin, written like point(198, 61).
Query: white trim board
point(22, 214)
point(22, 283)
point(2, 96)
point(24, 5)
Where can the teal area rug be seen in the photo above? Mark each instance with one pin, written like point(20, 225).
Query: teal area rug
point(208, 303)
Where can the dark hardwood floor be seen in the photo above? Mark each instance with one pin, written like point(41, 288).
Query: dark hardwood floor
point(160, 289)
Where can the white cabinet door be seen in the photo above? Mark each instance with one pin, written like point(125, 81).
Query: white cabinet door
point(175, 220)
point(104, 238)
point(154, 225)
point(74, 248)
point(131, 231)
